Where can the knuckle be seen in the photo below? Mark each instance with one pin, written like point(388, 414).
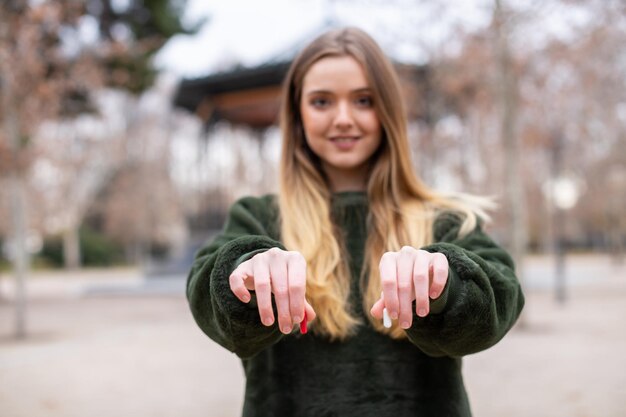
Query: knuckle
point(388, 283)
point(404, 286)
point(298, 263)
point(259, 261)
point(439, 255)
point(407, 249)
point(295, 255)
point(281, 291)
point(262, 286)
point(297, 287)
point(439, 271)
point(235, 284)
point(420, 277)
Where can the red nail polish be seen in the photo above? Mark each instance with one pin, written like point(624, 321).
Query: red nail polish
point(303, 328)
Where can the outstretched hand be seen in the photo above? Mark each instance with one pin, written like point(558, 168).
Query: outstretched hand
point(410, 275)
point(278, 272)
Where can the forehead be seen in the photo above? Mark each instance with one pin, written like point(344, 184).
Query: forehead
point(335, 73)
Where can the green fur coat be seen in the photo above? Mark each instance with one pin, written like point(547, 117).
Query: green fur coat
point(370, 374)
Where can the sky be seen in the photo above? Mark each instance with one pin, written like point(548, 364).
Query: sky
point(249, 32)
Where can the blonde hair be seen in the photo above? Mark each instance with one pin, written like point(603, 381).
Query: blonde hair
point(402, 207)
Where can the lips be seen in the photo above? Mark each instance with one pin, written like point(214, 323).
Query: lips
point(344, 143)
point(344, 139)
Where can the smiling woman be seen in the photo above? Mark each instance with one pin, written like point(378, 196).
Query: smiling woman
point(352, 232)
point(340, 122)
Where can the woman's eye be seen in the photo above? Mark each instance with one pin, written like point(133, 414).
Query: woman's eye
point(320, 102)
point(364, 101)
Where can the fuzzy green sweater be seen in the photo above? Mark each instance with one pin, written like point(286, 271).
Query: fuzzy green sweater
point(370, 374)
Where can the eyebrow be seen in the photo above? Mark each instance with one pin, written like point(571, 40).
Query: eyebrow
point(358, 90)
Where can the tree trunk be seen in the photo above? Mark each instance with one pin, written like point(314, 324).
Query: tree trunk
point(512, 147)
point(71, 248)
point(19, 258)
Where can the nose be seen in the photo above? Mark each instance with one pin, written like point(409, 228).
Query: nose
point(343, 116)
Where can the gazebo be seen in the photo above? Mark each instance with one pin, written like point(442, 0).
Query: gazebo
point(251, 96)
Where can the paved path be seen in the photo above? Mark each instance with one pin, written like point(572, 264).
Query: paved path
point(106, 343)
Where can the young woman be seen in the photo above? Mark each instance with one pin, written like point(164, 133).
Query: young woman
point(352, 232)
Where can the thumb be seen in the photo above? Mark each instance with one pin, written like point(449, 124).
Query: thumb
point(377, 309)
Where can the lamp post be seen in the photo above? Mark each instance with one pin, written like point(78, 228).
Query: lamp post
point(565, 191)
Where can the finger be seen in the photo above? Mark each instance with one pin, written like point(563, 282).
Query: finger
point(405, 285)
point(296, 272)
point(439, 264)
point(263, 289)
point(420, 282)
point(310, 313)
point(389, 282)
point(280, 288)
point(377, 309)
point(237, 281)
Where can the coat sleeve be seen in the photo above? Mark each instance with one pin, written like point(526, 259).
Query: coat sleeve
point(482, 298)
point(217, 311)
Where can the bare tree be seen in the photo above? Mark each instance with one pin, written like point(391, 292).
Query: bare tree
point(76, 159)
point(508, 100)
point(46, 73)
point(32, 89)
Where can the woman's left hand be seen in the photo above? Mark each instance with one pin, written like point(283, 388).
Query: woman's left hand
point(407, 275)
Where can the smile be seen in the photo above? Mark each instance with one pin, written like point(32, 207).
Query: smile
point(345, 143)
point(344, 139)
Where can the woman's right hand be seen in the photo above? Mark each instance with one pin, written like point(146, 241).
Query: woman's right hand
point(278, 272)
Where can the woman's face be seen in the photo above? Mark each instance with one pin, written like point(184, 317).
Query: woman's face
point(340, 123)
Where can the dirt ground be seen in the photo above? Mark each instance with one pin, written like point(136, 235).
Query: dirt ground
point(106, 343)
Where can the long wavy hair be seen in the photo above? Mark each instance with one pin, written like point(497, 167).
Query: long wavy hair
point(402, 208)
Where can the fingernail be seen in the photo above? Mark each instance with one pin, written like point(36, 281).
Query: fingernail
point(394, 315)
point(433, 294)
point(286, 329)
point(268, 321)
point(405, 325)
point(245, 298)
point(386, 319)
point(422, 312)
point(303, 327)
point(297, 319)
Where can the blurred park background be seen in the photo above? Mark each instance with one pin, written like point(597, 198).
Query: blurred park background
point(127, 128)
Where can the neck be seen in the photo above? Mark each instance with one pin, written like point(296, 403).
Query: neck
point(347, 180)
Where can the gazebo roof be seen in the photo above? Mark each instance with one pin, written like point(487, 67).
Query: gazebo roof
point(192, 91)
point(243, 95)
point(251, 95)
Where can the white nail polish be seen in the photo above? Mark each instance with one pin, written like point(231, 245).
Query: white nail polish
point(386, 318)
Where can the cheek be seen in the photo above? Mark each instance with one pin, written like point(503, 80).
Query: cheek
point(314, 123)
point(374, 127)
point(370, 123)
point(374, 122)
